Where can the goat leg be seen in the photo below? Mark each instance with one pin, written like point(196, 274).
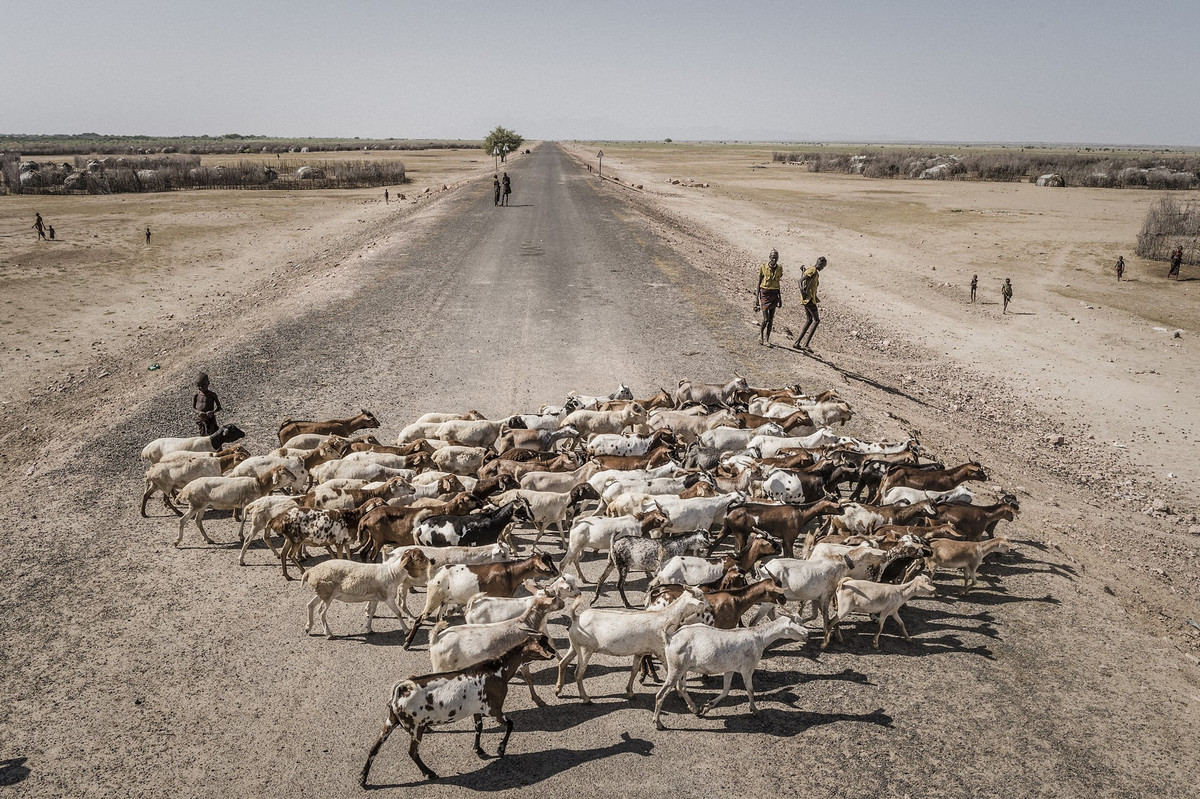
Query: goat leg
point(726, 685)
point(562, 669)
point(478, 734)
point(508, 727)
point(621, 588)
point(412, 633)
point(525, 673)
point(900, 621)
point(414, 752)
point(388, 726)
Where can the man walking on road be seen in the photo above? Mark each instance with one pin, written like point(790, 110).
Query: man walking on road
point(39, 226)
point(1176, 261)
point(507, 189)
point(1006, 294)
point(808, 295)
point(1120, 267)
point(974, 285)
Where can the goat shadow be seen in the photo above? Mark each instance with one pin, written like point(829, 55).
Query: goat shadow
point(529, 768)
point(13, 770)
point(768, 721)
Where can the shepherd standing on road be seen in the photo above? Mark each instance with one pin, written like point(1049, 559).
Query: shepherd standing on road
point(496, 186)
point(1006, 293)
point(767, 298)
point(507, 189)
point(808, 295)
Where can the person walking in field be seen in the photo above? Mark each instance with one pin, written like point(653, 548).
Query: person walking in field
point(385, 196)
point(50, 230)
point(767, 297)
point(974, 285)
point(808, 296)
point(1176, 262)
point(496, 187)
point(1006, 294)
point(147, 237)
point(39, 226)
point(205, 404)
point(507, 189)
point(1120, 267)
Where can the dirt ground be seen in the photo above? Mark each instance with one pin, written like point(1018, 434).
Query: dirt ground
point(1080, 678)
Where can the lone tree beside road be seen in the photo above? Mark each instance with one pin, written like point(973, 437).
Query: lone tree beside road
point(498, 138)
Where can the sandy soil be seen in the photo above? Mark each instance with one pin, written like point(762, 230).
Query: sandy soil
point(1075, 674)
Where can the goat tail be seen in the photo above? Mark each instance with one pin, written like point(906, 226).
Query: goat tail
point(437, 630)
point(473, 600)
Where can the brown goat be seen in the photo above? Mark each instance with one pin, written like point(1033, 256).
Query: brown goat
point(333, 427)
point(785, 522)
point(655, 457)
point(930, 479)
point(390, 524)
point(972, 521)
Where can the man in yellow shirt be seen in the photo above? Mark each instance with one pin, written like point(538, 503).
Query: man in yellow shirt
point(768, 298)
point(808, 295)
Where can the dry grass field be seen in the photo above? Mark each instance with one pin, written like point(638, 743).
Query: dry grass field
point(98, 293)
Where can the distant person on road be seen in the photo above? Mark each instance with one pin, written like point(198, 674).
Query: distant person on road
point(50, 230)
point(496, 187)
point(205, 404)
point(507, 189)
point(39, 226)
point(809, 281)
point(974, 285)
point(385, 196)
point(1006, 293)
point(1120, 267)
point(767, 297)
point(1176, 262)
point(147, 237)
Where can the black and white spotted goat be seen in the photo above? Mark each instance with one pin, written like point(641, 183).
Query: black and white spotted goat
point(420, 702)
point(473, 529)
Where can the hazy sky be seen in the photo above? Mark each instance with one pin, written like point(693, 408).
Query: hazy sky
point(1087, 71)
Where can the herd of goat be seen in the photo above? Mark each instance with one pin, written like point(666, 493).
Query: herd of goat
point(728, 498)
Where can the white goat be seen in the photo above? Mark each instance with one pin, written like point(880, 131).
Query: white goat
point(350, 581)
point(878, 599)
point(707, 650)
point(912, 496)
point(622, 633)
point(223, 493)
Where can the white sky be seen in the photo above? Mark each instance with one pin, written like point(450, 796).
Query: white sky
point(1091, 71)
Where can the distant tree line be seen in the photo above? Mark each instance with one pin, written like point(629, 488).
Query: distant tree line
point(1095, 169)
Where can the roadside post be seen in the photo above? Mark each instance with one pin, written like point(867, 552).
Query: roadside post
point(504, 154)
point(600, 158)
point(496, 159)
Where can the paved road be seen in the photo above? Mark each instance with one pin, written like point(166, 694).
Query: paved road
point(137, 669)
